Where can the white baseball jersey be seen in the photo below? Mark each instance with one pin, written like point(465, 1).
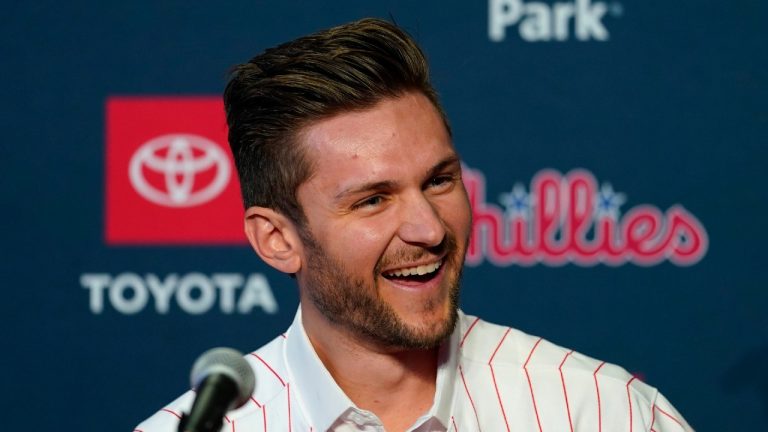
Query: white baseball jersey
point(490, 378)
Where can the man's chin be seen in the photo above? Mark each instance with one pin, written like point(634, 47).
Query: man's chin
point(431, 333)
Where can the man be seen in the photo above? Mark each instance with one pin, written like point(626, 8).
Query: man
point(352, 185)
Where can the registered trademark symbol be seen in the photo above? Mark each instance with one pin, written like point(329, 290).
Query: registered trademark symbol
point(616, 9)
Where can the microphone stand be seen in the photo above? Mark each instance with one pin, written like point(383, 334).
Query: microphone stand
point(213, 399)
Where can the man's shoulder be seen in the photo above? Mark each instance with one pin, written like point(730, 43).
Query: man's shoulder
point(267, 364)
point(484, 344)
point(503, 370)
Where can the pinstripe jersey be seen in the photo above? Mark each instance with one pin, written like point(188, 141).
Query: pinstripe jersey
point(490, 378)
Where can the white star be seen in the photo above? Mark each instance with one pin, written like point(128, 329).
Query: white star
point(608, 202)
point(517, 203)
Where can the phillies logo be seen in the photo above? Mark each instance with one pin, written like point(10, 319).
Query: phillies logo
point(179, 159)
point(567, 218)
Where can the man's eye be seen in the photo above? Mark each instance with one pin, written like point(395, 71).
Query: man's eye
point(440, 181)
point(369, 202)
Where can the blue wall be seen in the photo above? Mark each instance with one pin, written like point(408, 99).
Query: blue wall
point(661, 103)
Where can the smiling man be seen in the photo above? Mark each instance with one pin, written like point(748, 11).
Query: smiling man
point(352, 184)
point(387, 225)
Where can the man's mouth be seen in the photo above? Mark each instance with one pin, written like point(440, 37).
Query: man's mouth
point(421, 273)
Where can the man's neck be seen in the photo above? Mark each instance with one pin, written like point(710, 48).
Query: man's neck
point(396, 385)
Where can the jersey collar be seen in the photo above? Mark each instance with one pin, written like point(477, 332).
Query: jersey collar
point(323, 401)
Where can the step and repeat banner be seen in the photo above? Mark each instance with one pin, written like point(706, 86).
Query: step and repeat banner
point(614, 153)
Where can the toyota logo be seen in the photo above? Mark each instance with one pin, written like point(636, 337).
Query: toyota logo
point(177, 161)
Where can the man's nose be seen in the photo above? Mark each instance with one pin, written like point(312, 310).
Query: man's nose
point(421, 224)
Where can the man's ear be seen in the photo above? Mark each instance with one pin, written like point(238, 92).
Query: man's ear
point(274, 237)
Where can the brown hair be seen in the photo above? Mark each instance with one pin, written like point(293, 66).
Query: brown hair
point(277, 93)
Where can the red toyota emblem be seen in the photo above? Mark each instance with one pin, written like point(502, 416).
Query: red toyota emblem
point(169, 173)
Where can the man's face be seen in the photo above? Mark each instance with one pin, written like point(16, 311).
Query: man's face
point(387, 223)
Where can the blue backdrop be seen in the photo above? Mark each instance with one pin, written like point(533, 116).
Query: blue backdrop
point(661, 104)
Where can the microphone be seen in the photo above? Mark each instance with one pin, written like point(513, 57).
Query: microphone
point(223, 381)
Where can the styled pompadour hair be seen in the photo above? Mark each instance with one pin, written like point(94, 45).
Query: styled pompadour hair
point(271, 98)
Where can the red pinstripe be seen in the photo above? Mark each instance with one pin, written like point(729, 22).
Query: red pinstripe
point(270, 368)
point(455, 429)
point(565, 392)
point(493, 377)
point(671, 417)
point(599, 409)
point(530, 385)
point(503, 413)
point(264, 416)
point(256, 402)
point(169, 411)
point(653, 416)
point(471, 326)
point(629, 398)
point(289, 406)
point(466, 389)
point(499, 346)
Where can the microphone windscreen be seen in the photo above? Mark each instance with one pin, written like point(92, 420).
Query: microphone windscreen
point(228, 362)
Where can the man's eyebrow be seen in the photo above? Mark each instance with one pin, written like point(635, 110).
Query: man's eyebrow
point(365, 187)
point(453, 159)
point(390, 184)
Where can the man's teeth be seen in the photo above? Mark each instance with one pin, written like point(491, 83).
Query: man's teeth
point(418, 270)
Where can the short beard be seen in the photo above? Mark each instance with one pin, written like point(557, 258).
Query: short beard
point(358, 308)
